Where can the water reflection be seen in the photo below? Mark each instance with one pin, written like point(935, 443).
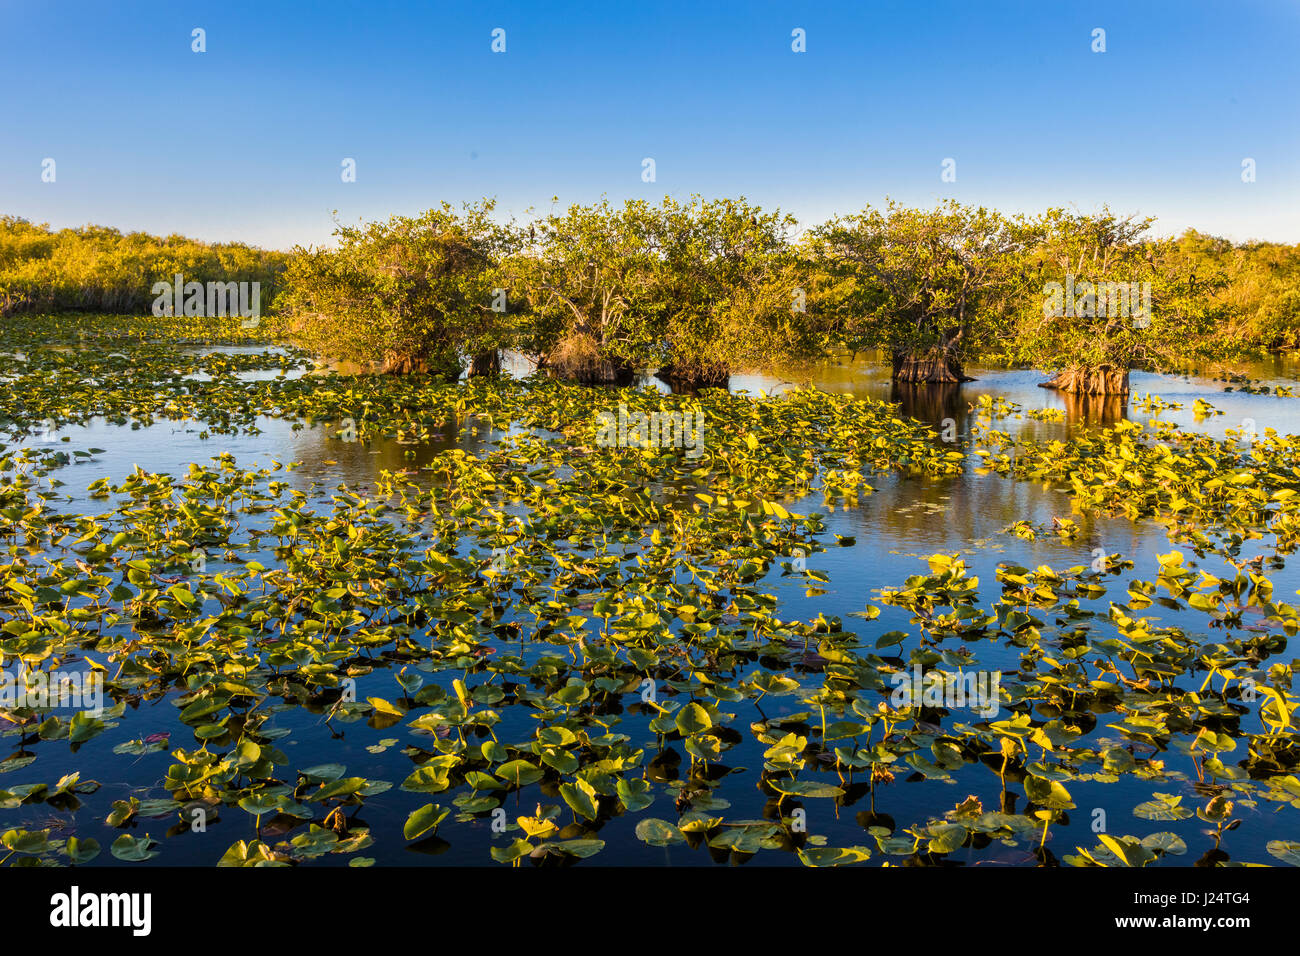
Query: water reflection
point(895, 527)
point(932, 404)
point(868, 376)
point(1099, 410)
point(329, 458)
point(330, 453)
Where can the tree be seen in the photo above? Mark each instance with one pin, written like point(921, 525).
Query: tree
point(1261, 290)
point(1111, 300)
point(586, 279)
point(928, 286)
point(412, 294)
point(732, 289)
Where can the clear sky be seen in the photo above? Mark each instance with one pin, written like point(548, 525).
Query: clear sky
point(247, 140)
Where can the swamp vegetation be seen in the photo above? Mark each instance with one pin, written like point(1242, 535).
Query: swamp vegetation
point(405, 618)
point(698, 290)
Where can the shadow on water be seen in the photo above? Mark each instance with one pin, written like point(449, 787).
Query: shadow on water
point(1099, 410)
point(931, 404)
point(325, 450)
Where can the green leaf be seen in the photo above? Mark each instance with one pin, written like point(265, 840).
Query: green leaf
point(133, 850)
point(634, 794)
point(581, 796)
point(82, 727)
point(1288, 851)
point(81, 850)
point(831, 856)
point(692, 719)
point(424, 820)
point(658, 832)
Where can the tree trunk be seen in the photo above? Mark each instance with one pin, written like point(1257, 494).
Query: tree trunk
point(579, 359)
point(685, 377)
point(486, 363)
point(397, 363)
point(1092, 408)
point(938, 365)
point(1079, 380)
point(932, 403)
point(596, 371)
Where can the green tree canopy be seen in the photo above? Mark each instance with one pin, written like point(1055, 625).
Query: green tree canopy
point(930, 287)
point(588, 282)
point(732, 290)
point(693, 288)
point(420, 293)
point(1110, 298)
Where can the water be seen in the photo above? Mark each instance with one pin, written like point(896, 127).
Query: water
point(896, 527)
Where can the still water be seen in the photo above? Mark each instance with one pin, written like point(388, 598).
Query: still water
point(895, 527)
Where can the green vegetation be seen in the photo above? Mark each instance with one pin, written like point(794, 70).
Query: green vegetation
point(608, 651)
point(699, 289)
point(694, 290)
point(931, 288)
point(98, 269)
point(406, 295)
point(1121, 301)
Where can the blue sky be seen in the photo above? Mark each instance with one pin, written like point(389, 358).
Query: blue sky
point(246, 140)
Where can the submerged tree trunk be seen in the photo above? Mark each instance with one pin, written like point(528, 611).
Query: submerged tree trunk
point(1091, 408)
point(928, 403)
point(935, 366)
point(1079, 380)
point(399, 363)
point(693, 376)
point(595, 371)
point(579, 359)
point(486, 363)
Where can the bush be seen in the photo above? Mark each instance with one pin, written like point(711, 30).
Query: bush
point(419, 294)
point(98, 269)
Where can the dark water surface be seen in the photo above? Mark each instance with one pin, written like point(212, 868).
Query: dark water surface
point(895, 527)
